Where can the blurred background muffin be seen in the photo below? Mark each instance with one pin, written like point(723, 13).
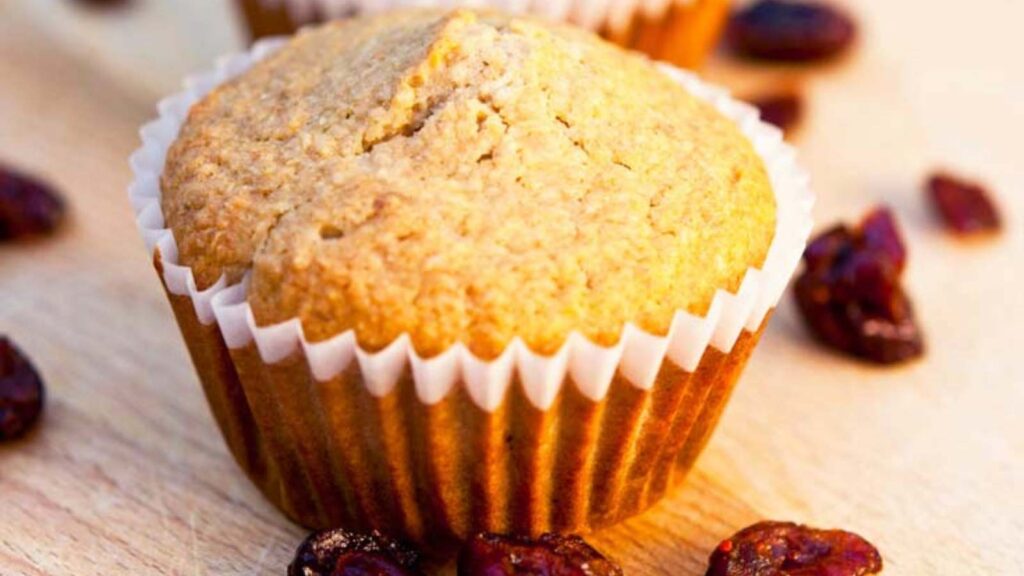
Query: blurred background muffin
point(678, 31)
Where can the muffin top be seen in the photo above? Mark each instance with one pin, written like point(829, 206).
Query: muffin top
point(465, 177)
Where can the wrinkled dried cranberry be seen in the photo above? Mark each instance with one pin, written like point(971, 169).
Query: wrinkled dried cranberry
point(850, 293)
point(339, 552)
point(369, 564)
point(27, 206)
point(822, 249)
point(784, 110)
point(550, 555)
point(788, 549)
point(880, 236)
point(791, 31)
point(965, 206)
point(21, 392)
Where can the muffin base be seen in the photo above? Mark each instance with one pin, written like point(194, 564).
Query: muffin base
point(683, 35)
point(332, 454)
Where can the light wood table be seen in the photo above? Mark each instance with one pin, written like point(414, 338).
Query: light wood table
point(128, 475)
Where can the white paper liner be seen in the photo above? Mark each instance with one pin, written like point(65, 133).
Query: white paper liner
point(638, 354)
point(590, 14)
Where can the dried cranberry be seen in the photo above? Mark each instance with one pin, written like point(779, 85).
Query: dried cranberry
point(791, 31)
point(788, 549)
point(103, 4)
point(784, 110)
point(21, 392)
point(850, 293)
point(369, 564)
point(339, 552)
point(823, 249)
point(880, 236)
point(551, 555)
point(28, 207)
point(965, 206)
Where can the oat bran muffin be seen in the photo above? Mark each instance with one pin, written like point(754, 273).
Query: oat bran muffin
point(500, 237)
point(465, 179)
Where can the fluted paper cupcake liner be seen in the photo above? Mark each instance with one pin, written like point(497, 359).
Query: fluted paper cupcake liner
point(436, 448)
point(679, 31)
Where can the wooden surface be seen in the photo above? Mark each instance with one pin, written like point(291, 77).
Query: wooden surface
point(128, 475)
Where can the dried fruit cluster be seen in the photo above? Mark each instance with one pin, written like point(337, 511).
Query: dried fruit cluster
point(552, 554)
point(790, 31)
point(965, 206)
point(28, 207)
point(342, 553)
point(21, 392)
point(850, 293)
point(764, 549)
point(782, 109)
point(788, 549)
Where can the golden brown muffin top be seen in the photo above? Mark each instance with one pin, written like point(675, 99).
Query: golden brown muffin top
point(465, 177)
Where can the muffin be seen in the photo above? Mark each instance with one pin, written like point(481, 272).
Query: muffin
point(678, 31)
point(445, 272)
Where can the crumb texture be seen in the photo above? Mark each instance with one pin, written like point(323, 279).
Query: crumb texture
point(465, 177)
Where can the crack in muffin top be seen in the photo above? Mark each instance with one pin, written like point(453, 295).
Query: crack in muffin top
point(465, 177)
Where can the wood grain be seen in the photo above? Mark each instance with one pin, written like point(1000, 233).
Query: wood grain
point(128, 475)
